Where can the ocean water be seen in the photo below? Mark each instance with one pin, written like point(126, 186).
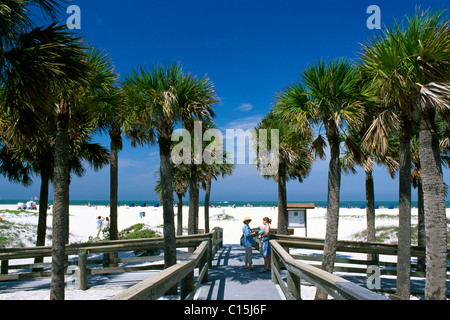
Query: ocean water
point(151, 203)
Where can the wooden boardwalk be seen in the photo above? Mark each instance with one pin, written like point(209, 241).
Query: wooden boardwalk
point(229, 280)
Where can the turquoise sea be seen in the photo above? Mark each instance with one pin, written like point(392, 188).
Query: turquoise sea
point(343, 204)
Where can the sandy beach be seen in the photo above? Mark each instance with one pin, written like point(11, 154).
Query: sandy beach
point(83, 220)
point(83, 225)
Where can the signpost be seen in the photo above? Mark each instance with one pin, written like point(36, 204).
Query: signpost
point(297, 215)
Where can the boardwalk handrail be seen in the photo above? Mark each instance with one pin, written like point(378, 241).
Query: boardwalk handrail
point(350, 246)
point(155, 286)
point(333, 285)
point(215, 239)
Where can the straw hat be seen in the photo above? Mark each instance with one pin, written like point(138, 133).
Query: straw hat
point(247, 219)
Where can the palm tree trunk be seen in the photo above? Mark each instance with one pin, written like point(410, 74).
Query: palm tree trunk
point(404, 209)
point(421, 236)
point(207, 196)
point(180, 215)
point(170, 257)
point(170, 253)
point(370, 213)
point(197, 206)
point(114, 185)
point(60, 207)
point(68, 213)
point(282, 201)
point(43, 207)
point(193, 201)
point(434, 201)
point(334, 186)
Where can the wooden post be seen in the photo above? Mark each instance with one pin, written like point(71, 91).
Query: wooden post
point(4, 266)
point(205, 259)
point(275, 267)
point(210, 252)
point(187, 285)
point(82, 269)
point(293, 284)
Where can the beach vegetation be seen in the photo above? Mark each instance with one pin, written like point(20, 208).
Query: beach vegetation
point(140, 231)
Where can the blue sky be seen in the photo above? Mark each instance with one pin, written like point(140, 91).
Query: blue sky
point(250, 49)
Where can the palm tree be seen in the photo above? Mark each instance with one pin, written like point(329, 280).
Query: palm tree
point(75, 95)
point(55, 57)
point(295, 159)
point(210, 172)
point(334, 98)
point(198, 169)
point(357, 154)
point(381, 61)
point(433, 57)
point(180, 179)
point(27, 53)
point(161, 97)
point(111, 117)
point(408, 63)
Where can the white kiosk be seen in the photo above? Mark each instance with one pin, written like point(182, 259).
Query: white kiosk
point(297, 215)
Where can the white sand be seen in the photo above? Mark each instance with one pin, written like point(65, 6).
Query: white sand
point(83, 226)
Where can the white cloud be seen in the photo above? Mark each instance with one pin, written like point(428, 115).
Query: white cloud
point(244, 123)
point(245, 107)
point(129, 163)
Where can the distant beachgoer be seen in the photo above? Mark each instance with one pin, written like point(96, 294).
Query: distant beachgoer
point(248, 243)
point(263, 235)
point(105, 226)
point(99, 225)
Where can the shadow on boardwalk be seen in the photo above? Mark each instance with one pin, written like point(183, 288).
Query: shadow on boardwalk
point(229, 280)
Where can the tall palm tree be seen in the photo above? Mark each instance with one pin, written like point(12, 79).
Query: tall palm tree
point(357, 154)
point(55, 57)
point(180, 179)
point(334, 98)
point(210, 172)
point(408, 63)
point(295, 158)
point(28, 53)
point(381, 60)
point(433, 59)
point(80, 95)
point(160, 98)
point(200, 170)
point(111, 117)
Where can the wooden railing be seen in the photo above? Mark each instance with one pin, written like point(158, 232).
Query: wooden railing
point(209, 244)
point(155, 286)
point(296, 266)
point(373, 249)
point(333, 285)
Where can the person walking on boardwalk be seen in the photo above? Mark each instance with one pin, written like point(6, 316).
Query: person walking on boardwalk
point(264, 236)
point(248, 242)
